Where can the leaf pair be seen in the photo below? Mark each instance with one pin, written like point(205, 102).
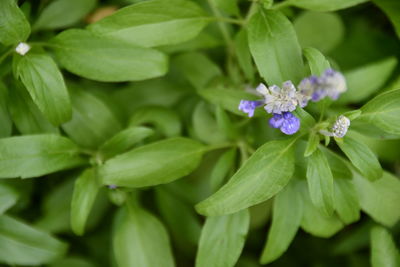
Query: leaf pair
point(262, 176)
point(293, 208)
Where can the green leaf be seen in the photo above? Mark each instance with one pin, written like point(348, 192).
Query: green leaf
point(225, 124)
point(316, 60)
point(72, 261)
point(164, 119)
point(286, 218)
point(261, 177)
point(312, 144)
point(383, 112)
point(323, 31)
point(124, 140)
point(108, 60)
point(22, 244)
point(153, 164)
point(307, 121)
point(353, 241)
point(243, 54)
point(8, 197)
point(85, 192)
point(36, 155)
point(320, 182)
point(338, 165)
point(274, 47)
point(27, 117)
point(314, 221)
point(325, 5)
point(392, 10)
point(63, 13)
point(205, 127)
point(352, 115)
point(383, 248)
point(228, 99)
point(221, 168)
point(56, 209)
point(362, 158)
point(139, 239)
point(14, 27)
point(230, 7)
point(180, 218)
point(202, 41)
point(45, 83)
point(380, 198)
point(6, 127)
point(92, 120)
point(200, 73)
point(366, 80)
point(169, 22)
point(229, 232)
point(346, 201)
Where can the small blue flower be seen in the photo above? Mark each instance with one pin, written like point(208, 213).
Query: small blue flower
point(249, 106)
point(334, 83)
point(276, 121)
point(287, 122)
point(331, 83)
point(112, 186)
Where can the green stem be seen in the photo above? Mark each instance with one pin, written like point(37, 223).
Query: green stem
point(244, 155)
point(229, 20)
point(230, 45)
point(221, 25)
point(324, 105)
point(253, 8)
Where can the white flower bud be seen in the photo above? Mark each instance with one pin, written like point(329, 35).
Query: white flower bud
point(22, 48)
point(341, 126)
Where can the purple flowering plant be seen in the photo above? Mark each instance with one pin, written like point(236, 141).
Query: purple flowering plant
point(207, 133)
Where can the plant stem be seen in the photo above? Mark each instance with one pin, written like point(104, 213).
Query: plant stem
point(221, 25)
point(230, 20)
point(243, 152)
point(230, 46)
point(252, 9)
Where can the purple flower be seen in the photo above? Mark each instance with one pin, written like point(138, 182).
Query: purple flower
point(330, 84)
point(276, 120)
point(287, 122)
point(248, 106)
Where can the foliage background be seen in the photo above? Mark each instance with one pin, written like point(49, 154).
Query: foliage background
point(176, 68)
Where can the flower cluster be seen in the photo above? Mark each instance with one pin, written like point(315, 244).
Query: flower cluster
point(330, 84)
point(281, 101)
